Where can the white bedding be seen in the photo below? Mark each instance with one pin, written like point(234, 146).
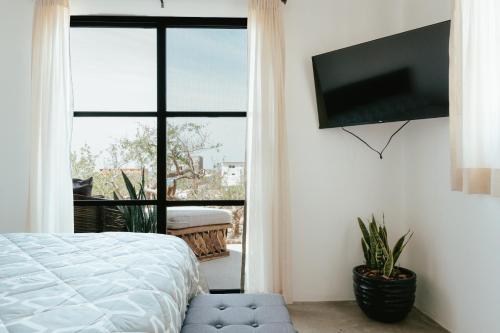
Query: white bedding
point(109, 282)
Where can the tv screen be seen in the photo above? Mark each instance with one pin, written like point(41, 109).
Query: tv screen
point(395, 78)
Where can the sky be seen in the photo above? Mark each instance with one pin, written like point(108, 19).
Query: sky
point(115, 70)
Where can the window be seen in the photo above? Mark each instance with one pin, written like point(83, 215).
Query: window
point(114, 69)
point(160, 102)
point(211, 144)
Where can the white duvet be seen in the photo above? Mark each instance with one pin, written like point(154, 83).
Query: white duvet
point(109, 282)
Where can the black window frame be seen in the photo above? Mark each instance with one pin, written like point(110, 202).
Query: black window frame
point(161, 24)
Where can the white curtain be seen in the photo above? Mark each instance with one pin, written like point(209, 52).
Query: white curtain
point(475, 96)
point(50, 197)
point(267, 265)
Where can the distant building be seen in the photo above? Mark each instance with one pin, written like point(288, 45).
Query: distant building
point(232, 173)
point(197, 163)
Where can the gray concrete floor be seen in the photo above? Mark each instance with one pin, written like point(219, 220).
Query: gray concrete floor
point(346, 317)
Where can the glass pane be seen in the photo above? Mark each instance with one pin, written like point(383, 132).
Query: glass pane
point(115, 218)
point(223, 270)
point(235, 233)
point(114, 69)
point(206, 69)
point(225, 273)
point(206, 158)
point(103, 148)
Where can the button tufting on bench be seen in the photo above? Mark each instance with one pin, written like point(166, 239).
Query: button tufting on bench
point(262, 313)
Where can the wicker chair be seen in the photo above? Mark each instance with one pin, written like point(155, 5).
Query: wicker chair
point(92, 219)
point(203, 228)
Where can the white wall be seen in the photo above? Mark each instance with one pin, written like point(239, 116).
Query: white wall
point(456, 244)
point(15, 58)
point(334, 177)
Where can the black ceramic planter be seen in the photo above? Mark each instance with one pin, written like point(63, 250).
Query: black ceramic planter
point(384, 300)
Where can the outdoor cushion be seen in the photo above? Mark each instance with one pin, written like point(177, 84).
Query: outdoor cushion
point(238, 313)
point(188, 217)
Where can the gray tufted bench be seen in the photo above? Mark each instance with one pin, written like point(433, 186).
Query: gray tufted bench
point(238, 313)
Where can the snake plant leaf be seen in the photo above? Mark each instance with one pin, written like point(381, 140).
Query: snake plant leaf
point(389, 266)
point(373, 254)
point(384, 230)
point(373, 251)
point(398, 247)
point(373, 229)
point(373, 244)
point(405, 239)
point(366, 252)
point(379, 255)
point(130, 186)
point(143, 181)
point(381, 244)
point(364, 231)
point(138, 218)
point(383, 236)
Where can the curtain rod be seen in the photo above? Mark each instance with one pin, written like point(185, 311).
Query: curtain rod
point(163, 3)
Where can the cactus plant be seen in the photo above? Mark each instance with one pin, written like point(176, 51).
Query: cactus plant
point(379, 257)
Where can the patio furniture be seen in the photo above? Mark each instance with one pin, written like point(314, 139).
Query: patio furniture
point(93, 219)
point(238, 313)
point(204, 229)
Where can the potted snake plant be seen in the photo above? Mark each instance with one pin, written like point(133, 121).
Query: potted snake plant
point(384, 291)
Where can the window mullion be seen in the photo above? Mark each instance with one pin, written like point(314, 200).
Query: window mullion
point(162, 129)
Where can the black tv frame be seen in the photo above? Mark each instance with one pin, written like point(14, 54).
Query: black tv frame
point(407, 69)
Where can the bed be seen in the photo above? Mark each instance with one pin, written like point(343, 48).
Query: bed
point(108, 282)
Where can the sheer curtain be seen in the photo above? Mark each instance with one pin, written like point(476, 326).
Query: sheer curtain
point(475, 96)
point(267, 264)
point(50, 197)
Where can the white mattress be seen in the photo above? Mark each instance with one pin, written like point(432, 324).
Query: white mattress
point(187, 217)
point(110, 282)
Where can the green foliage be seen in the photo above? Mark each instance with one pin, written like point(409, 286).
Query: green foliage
point(137, 218)
point(186, 142)
point(378, 254)
point(83, 163)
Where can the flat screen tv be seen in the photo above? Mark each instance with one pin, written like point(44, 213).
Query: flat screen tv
point(395, 78)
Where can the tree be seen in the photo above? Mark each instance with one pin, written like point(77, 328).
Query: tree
point(184, 142)
point(132, 155)
point(83, 163)
point(139, 151)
